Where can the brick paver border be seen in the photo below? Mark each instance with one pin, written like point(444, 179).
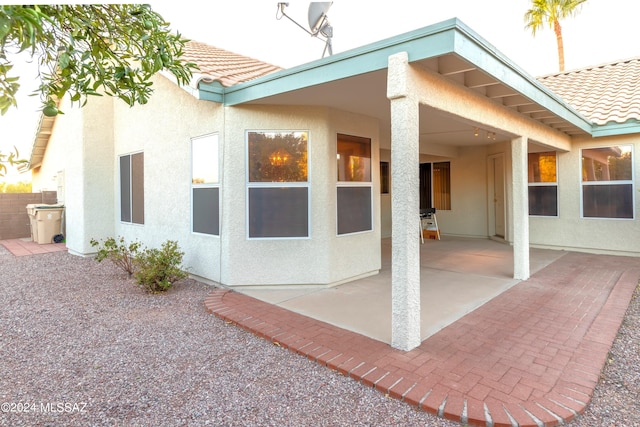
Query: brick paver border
point(532, 356)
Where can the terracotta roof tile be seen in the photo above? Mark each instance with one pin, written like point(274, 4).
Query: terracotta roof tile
point(223, 66)
point(602, 93)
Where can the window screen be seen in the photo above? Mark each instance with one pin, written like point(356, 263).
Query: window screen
point(132, 188)
point(607, 182)
point(205, 185)
point(278, 184)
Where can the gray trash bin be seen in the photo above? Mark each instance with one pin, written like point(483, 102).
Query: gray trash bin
point(45, 221)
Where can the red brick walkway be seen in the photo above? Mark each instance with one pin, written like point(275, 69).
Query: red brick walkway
point(532, 356)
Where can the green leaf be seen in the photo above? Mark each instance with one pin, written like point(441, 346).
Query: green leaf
point(5, 26)
point(88, 42)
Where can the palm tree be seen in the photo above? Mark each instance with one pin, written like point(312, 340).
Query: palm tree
point(550, 12)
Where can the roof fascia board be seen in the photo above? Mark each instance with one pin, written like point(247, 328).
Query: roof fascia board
point(473, 48)
point(32, 160)
point(431, 41)
point(211, 92)
point(612, 129)
point(200, 87)
point(446, 37)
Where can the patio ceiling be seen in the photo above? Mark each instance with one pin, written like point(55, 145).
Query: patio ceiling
point(356, 81)
point(366, 94)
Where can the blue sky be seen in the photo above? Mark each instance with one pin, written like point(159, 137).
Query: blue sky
point(604, 31)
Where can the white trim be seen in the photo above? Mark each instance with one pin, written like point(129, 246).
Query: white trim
point(261, 184)
point(611, 182)
point(119, 212)
point(548, 184)
point(216, 184)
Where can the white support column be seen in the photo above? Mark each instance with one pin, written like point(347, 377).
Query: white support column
point(520, 209)
point(405, 206)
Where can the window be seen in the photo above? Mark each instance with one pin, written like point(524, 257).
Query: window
point(132, 188)
point(442, 185)
point(543, 184)
point(354, 188)
point(384, 177)
point(435, 185)
point(278, 184)
point(205, 185)
point(607, 182)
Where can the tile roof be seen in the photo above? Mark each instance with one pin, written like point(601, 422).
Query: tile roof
point(223, 66)
point(602, 93)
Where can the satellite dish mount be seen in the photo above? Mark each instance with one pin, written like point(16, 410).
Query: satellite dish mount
point(318, 22)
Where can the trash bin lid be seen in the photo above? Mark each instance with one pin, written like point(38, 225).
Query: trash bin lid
point(43, 206)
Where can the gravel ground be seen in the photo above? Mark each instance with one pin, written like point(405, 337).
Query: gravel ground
point(616, 399)
point(81, 345)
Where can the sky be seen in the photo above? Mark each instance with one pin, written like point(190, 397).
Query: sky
point(603, 31)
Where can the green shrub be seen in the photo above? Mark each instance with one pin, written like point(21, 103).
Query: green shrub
point(118, 252)
point(158, 269)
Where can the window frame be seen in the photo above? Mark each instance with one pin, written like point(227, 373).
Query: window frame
point(355, 185)
point(431, 199)
point(213, 185)
point(385, 178)
point(257, 185)
point(133, 213)
point(626, 182)
point(540, 184)
point(433, 188)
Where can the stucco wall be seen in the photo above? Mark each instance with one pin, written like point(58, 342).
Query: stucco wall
point(86, 145)
point(385, 200)
point(468, 215)
point(76, 164)
point(163, 129)
point(471, 211)
point(568, 230)
point(324, 258)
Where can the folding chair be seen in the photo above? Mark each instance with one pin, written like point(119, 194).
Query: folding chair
point(428, 222)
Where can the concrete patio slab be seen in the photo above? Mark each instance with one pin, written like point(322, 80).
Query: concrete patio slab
point(529, 356)
point(457, 276)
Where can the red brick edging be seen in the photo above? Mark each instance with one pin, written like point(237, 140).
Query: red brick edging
point(474, 382)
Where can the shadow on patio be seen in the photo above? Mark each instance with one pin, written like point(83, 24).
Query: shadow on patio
point(457, 276)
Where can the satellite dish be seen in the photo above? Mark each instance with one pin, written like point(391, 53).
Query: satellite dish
point(318, 21)
point(318, 14)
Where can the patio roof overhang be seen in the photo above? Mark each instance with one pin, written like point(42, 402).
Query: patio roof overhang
point(40, 142)
point(356, 81)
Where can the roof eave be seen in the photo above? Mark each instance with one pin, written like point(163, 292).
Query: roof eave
point(444, 38)
point(631, 126)
point(40, 142)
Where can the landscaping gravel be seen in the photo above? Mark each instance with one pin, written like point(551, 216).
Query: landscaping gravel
point(81, 345)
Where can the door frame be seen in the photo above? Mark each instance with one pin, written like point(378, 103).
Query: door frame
point(491, 197)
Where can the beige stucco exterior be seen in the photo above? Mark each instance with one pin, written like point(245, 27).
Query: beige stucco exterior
point(571, 232)
point(78, 164)
point(162, 130)
point(88, 142)
point(324, 258)
point(488, 177)
point(82, 158)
